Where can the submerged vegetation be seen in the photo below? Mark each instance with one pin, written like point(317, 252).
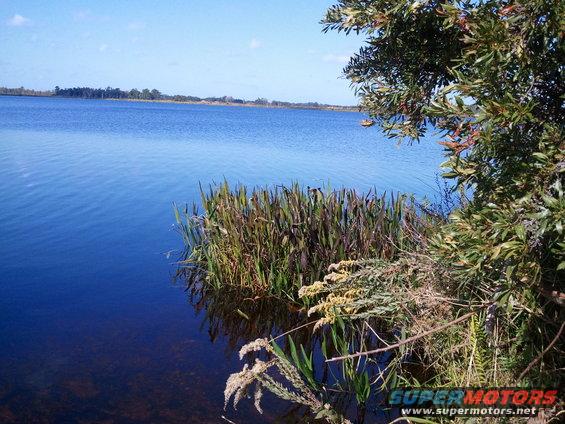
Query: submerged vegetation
point(476, 300)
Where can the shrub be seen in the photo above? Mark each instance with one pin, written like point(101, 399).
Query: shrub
point(488, 76)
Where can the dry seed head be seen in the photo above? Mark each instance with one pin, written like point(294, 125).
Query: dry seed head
point(257, 397)
point(253, 346)
point(311, 290)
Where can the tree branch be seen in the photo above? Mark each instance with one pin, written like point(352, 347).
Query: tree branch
point(405, 341)
point(547, 349)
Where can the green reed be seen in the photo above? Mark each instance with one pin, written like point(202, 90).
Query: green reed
point(273, 241)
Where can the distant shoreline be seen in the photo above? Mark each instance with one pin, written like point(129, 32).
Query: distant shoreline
point(333, 108)
point(154, 96)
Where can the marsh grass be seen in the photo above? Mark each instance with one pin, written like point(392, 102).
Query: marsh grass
point(272, 241)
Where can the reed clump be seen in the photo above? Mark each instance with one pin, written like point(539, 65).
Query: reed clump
point(273, 241)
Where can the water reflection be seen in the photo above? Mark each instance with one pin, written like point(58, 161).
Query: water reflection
point(238, 318)
point(241, 318)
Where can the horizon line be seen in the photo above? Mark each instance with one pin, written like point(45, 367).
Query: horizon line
point(256, 101)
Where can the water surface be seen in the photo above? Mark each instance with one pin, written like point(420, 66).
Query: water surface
point(92, 328)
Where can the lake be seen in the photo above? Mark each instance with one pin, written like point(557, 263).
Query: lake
point(92, 326)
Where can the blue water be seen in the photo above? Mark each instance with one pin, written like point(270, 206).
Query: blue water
point(91, 325)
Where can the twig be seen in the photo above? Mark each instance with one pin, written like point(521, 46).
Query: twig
point(405, 341)
point(375, 333)
point(554, 295)
point(547, 349)
point(292, 330)
point(556, 416)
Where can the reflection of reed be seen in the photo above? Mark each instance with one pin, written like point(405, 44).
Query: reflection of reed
point(240, 318)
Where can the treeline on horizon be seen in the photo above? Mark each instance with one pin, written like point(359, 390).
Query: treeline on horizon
point(154, 94)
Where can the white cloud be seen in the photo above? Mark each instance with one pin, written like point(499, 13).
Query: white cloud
point(103, 47)
point(136, 25)
point(18, 20)
point(336, 58)
point(255, 44)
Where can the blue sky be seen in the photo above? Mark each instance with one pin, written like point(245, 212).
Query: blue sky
point(243, 48)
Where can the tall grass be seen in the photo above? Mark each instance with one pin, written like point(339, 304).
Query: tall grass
point(274, 241)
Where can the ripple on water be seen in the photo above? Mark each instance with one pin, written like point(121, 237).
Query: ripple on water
point(92, 328)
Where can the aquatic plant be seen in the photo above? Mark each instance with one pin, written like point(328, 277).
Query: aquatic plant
point(331, 392)
point(274, 241)
point(296, 391)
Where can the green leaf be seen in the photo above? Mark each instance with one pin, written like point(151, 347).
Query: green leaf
point(293, 352)
point(278, 350)
point(243, 314)
point(521, 232)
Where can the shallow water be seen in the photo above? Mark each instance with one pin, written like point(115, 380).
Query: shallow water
point(93, 329)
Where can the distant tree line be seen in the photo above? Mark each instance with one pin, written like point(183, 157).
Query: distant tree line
point(154, 94)
point(109, 93)
point(20, 91)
